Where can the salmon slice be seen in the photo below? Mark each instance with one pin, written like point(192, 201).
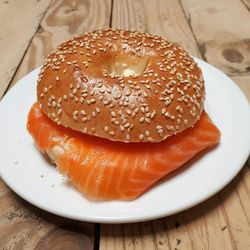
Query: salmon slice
point(108, 170)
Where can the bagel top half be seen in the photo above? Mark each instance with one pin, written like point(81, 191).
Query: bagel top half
point(121, 85)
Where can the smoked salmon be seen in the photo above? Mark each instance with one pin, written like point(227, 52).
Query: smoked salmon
point(107, 170)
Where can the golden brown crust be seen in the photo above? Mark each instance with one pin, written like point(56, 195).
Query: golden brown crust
point(121, 85)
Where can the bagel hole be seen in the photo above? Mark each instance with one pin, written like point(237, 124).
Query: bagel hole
point(127, 66)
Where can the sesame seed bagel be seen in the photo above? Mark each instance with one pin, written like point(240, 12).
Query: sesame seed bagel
point(121, 85)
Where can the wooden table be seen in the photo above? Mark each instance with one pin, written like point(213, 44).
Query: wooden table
point(218, 31)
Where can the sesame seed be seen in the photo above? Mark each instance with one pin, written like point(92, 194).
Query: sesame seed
point(121, 128)
point(126, 125)
point(106, 128)
point(142, 119)
point(150, 139)
point(127, 92)
point(141, 137)
point(112, 133)
point(82, 112)
point(128, 112)
point(160, 131)
point(128, 137)
point(84, 119)
point(143, 110)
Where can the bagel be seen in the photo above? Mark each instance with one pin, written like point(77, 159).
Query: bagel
point(121, 85)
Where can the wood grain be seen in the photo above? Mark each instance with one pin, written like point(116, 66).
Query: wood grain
point(63, 20)
point(214, 224)
point(246, 3)
point(23, 226)
point(16, 16)
point(159, 17)
point(202, 227)
point(222, 33)
point(225, 42)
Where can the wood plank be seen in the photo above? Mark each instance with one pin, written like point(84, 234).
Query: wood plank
point(208, 225)
point(225, 43)
point(63, 20)
point(246, 3)
point(202, 227)
point(236, 199)
point(16, 16)
point(159, 17)
point(199, 228)
point(222, 33)
point(23, 226)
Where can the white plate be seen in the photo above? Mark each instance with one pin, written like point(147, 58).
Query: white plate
point(22, 166)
